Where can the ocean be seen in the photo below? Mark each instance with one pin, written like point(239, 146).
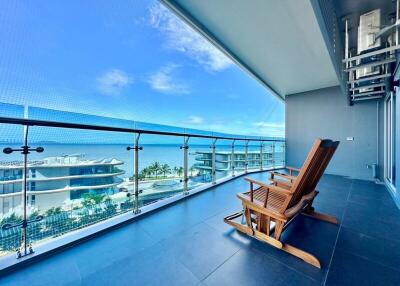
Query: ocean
point(170, 154)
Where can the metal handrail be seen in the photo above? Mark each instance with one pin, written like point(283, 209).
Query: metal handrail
point(45, 123)
point(25, 247)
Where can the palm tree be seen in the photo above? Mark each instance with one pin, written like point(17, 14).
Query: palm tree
point(156, 167)
point(165, 169)
point(180, 171)
point(145, 173)
point(176, 169)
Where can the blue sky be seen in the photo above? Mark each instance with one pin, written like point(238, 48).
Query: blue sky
point(130, 60)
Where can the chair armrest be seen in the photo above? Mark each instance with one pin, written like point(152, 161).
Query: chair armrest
point(281, 183)
point(285, 176)
point(291, 169)
point(271, 188)
point(256, 207)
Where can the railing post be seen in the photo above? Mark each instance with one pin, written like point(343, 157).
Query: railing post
point(261, 155)
point(233, 158)
point(136, 190)
point(246, 155)
point(284, 154)
point(273, 154)
point(185, 148)
point(26, 247)
point(213, 171)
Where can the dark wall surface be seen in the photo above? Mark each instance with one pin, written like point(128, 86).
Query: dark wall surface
point(324, 113)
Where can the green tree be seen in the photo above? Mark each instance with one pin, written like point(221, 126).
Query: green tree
point(175, 170)
point(165, 169)
point(156, 167)
point(53, 211)
point(180, 171)
point(92, 199)
point(12, 219)
point(144, 173)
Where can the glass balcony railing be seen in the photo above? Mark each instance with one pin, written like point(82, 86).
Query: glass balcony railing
point(79, 175)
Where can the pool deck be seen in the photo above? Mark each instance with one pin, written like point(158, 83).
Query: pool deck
point(188, 243)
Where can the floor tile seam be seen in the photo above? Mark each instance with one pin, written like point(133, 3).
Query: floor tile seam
point(369, 260)
point(187, 269)
point(379, 220)
point(361, 204)
point(387, 201)
point(286, 265)
point(188, 228)
point(220, 212)
point(332, 255)
point(220, 265)
point(397, 241)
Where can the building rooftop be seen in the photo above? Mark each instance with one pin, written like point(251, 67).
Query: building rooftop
point(189, 244)
point(61, 161)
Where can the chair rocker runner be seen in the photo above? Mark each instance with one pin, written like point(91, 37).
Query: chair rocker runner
point(269, 208)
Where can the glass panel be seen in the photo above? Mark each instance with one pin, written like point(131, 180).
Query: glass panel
point(253, 156)
point(239, 158)
point(200, 159)
point(86, 176)
point(11, 185)
point(390, 130)
point(80, 179)
point(393, 167)
point(279, 156)
point(223, 158)
point(160, 164)
point(269, 154)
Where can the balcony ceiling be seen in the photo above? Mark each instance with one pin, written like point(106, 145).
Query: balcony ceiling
point(278, 42)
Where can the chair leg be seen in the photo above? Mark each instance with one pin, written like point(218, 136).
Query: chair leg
point(247, 214)
point(320, 216)
point(305, 256)
point(278, 229)
point(310, 211)
point(243, 228)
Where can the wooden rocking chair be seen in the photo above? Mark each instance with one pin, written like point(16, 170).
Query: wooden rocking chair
point(269, 209)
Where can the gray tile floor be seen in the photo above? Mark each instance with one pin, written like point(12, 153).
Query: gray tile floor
point(189, 244)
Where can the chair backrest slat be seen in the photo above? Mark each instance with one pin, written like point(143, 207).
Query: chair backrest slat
point(311, 171)
point(323, 166)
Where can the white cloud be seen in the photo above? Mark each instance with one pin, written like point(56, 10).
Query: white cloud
point(113, 81)
point(182, 38)
point(233, 96)
point(270, 128)
point(195, 120)
point(164, 81)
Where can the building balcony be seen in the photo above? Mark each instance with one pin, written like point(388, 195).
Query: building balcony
point(161, 221)
point(189, 244)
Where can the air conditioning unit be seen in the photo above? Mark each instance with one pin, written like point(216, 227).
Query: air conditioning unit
point(369, 27)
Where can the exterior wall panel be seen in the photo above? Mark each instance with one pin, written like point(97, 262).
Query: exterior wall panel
point(325, 113)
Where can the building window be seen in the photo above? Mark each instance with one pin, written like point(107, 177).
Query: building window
point(33, 173)
point(33, 186)
point(33, 200)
